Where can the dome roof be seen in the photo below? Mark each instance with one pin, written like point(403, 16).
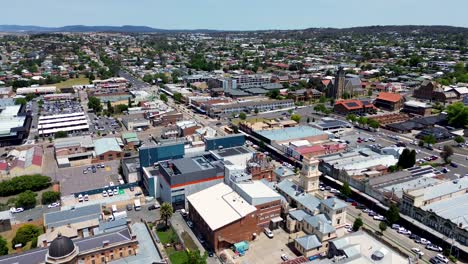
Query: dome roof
point(61, 247)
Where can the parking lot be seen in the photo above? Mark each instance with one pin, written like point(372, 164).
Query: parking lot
point(61, 107)
point(73, 180)
point(104, 125)
point(268, 250)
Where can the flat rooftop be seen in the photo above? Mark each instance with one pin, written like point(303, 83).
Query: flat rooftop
point(231, 151)
point(65, 217)
point(290, 133)
point(220, 205)
point(453, 209)
point(447, 187)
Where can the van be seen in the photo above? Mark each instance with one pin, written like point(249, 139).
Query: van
point(80, 198)
point(268, 232)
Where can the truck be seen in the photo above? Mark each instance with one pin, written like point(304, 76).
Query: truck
point(118, 215)
point(137, 205)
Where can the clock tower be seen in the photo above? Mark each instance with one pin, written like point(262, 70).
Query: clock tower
point(310, 175)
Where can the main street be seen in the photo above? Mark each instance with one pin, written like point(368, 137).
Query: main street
point(403, 242)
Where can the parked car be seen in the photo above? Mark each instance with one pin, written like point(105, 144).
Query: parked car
point(129, 207)
point(423, 241)
point(442, 258)
point(14, 210)
point(151, 207)
point(395, 226)
point(190, 224)
point(418, 251)
point(284, 257)
point(268, 232)
point(414, 237)
point(379, 218)
point(85, 171)
point(435, 260)
point(434, 247)
point(453, 164)
point(104, 193)
point(404, 231)
point(53, 205)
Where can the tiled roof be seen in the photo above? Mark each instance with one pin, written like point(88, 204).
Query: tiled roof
point(391, 97)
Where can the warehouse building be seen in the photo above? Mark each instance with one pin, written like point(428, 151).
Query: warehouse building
point(72, 122)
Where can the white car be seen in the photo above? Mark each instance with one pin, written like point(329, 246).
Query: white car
point(110, 193)
point(16, 210)
point(417, 251)
point(404, 231)
point(104, 193)
point(53, 205)
point(116, 191)
point(434, 247)
point(379, 218)
point(442, 258)
point(284, 257)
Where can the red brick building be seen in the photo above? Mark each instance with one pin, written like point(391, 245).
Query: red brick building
point(389, 101)
point(353, 106)
point(260, 168)
point(227, 220)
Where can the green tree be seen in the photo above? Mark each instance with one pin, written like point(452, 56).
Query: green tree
point(120, 108)
point(346, 190)
point(320, 108)
point(296, 117)
point(393, 214)
point(110, 109)
point(26, 233)
point(22, 183)
point(446, 153)
point(163, 97)
point(459, 139)
point(256, 110)
point(177, 97)
point(322, 99)
point(429, 139)
point(382, 226)
point(26, 199)
point(242, 116)
point(148, 78)
point(194, 257)
point(351, 117)
point(50, 197)
point(374, 123)
point(406, 159)
point(369, 93)
point(357, 224)
point(166, 211)
point(95, 104)
point(61, 134)
point(273, 94)
point(457, 114)
point(3, 246)
point(20, 101)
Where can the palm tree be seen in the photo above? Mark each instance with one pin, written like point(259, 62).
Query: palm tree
point(166, 211)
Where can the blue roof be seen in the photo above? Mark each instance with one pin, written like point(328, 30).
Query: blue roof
point(334, 203)
point(104, 145)
point(309, 201)
point(309, 242)
point(298, 214)
point(290, 133)
point(290, 188)
point(284, 172)
point(321, 223)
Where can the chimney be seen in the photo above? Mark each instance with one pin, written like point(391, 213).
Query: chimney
point(19, 248)
point(44, 243)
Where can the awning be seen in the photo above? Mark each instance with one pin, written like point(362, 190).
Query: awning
point(277, 219)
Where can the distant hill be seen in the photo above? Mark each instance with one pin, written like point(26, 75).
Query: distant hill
point(145, 29)
point(81, 28)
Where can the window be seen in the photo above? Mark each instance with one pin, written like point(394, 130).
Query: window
point(112, 256)
point(101, 157)
point(338, 221)
point(129, 252)
point(121, 254)
point(118, 155)
point(103, 259)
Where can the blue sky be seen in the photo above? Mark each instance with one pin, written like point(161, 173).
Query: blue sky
point(234, 14)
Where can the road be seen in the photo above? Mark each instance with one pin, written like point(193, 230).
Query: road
point(404, 243)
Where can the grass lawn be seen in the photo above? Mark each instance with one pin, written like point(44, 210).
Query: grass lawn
point(70, 82)
point(166, 236)
point(178, 257)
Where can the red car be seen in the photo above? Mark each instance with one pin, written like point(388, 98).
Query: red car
point(354, 203)
point(359, 141)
